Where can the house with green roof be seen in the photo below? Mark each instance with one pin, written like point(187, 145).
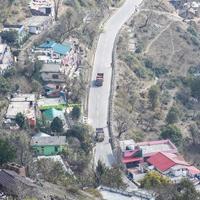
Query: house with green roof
point(53, 49)
point(50, 114)
point(46, 145)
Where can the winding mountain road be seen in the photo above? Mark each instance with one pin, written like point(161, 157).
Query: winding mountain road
point(99, 96)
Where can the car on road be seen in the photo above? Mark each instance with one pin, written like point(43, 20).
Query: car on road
point(99, 79)
point(99, 136)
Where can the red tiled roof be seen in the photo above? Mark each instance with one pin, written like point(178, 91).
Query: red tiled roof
point(129, 160)
point(164, 161)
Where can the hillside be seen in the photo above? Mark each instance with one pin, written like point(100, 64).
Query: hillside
point(13, 10)
point(161, 59)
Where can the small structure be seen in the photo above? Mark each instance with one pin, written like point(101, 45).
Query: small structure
point(42, 7)
point(6, 59)
point(19, 29)
point(37, 24)
point(50, 114)
point(25, 104)
point(21, 170)
point(52, 90)
point(44, 144)
point(52, 72)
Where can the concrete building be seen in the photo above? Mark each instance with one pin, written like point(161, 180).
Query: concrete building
point(25, 104)
point(52, 72)
point(42, 7)
point(45, 145)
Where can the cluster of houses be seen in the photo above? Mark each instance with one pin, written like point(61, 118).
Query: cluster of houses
point(42, 18)
point(59, 60)
point(162, 156)
point(187, 9)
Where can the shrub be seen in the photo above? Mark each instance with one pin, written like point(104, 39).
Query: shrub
point(172, 133)
point(76, 112)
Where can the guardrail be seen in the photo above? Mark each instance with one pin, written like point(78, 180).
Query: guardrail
point(140, 194)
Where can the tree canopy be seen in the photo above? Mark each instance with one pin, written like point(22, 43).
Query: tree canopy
point(173, 115)
point(76, 112)
point(173, 133)
point(154, 92)
point(20, 120)
point(57, 125)
point(9, 37)
point(110, 177)
point(154, 179)
point(7, 152)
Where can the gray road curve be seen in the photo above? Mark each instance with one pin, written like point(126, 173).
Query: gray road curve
point(99, 97)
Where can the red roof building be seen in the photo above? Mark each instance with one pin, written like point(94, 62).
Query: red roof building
point(164, 161)
point(143, 150)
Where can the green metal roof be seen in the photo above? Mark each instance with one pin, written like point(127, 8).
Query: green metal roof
point(52, 113)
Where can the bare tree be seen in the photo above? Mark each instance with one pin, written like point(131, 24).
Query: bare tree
point(57, 4)
point(122, 123)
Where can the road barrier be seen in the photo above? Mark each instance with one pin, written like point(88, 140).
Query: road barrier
point(141, 194)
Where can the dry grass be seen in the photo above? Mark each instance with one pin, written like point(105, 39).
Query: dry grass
point(165, 41)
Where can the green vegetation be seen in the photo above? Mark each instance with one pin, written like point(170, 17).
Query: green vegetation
point(57, 125)
point(4, 85)
point(81, 132)
point(76, 112)
point(173, 115)
point(195, 87)
point(9, 37)
point(184, 190)
point(110, 177)
point(20, 120)
point(153, 180)
point(154, 93)
point(173, 133)
point(7, 152)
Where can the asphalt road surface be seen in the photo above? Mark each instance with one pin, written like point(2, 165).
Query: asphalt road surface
point(99, 96)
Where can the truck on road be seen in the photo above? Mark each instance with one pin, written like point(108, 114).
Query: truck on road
point(99, 79)
point(99, 135)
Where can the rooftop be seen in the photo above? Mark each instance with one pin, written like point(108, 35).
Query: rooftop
point(23, 98)
point(13, 26)
point(52, 113)
point(44, 102)
point(57, 48)
point(127, 143)
point(48, 141)
point(163, 161)
point(50, 67)
point(151, 147)
point(20, 107)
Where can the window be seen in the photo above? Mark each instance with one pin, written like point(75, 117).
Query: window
point(56, 149)
point(55, 76)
